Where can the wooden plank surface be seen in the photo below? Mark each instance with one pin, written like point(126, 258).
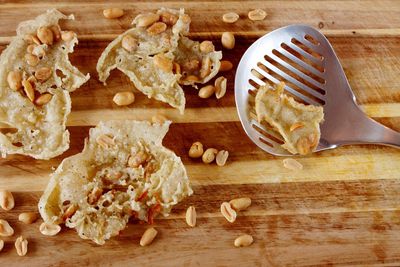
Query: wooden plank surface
point(342, 209)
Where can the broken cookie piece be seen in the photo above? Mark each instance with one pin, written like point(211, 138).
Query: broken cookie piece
point(36, 77)
point(157, 57)
point(122, 172)
point(297, 123)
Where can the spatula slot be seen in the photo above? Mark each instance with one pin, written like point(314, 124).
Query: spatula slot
point(303, 56)
point(311, 39)
point(262, 140)
point(273, 138)
point(307, 49)
point(255, 84)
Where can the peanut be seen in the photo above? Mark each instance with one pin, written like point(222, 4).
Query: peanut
point(157, 28)
point(228, 212)
point(105, 141)
point(32, 60)
point(205, 67)
point(6, 200)
point(228, 40)
point(94, 195)
point(162, 62)
point(28, 89)
point(168, 18)
point(148, 236)
point(67, 36)
point(176, 68)
point(220, 87)
point(191, 216)
point(140, 158)
point(225, 65)
point(129, 43)
point(21, 245)
point(196, 150)
point(45, 35)
point(1, 245)
point(56, 32)
point(209, 155)
point(70, 211)
point(49, 229)
point(124, 98)
point(29, 48)
point(296, 125)
point(14, 79)
point(191, 65)
point(158, 118)
point(230, 17)
point(222, 157)
point(257, 14)
point(243, 241)
point(239, 204)
point(191, 79)
point(28, 217)
point(292, 164)
point(39, 52)
point(113, 13)
point(144, 20)
point(206, 91)
point(5, 228)
point(207, 47)
point(43, 99)
point(43, 74)
point(31, 39)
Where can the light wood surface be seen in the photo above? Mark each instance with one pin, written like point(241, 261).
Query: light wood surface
point(342, 209)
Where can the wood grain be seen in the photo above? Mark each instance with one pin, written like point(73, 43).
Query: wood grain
point(343, 208)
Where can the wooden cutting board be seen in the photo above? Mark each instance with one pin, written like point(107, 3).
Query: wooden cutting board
point(342, 209)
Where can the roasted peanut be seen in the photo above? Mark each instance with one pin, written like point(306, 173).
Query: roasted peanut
point(191, 216)
point(29, 48)
point(124, 98)
point(220, 87)
point(105, 141)
point(296, 125)
point(239, 204)
point(207, 47)
point(6, 200)
point(94, 195)
point(28, 217)
point(176, 68)
point(39, 52)
point(21, 245)
point(228, 212)
point(243, 241)
point(140, 158)
point(5, 228)
point(113, 13)
point(14, 79)
point(28, 89)
point(209, 155)
point(225, 65)
point(45, 35)
point(168, 18)
point(49, 229)
point(129, 43)
point(257, 14)
point(206, 91)
point(32, 60)
point(230, 17)
point(158, 118)
point(43, 74)
point(144, 20)
point(32, 39)
point(162, 62)
point(196, 150)
point(191, 79)
point(205, 67)
point(56, 32)
point(148, 236)
point(1, 245)
point(222, 157)
point(69, 212)
point(292, 164)
point(228, 40)
point(43, 99)
point(67, 36)
point(157, 28)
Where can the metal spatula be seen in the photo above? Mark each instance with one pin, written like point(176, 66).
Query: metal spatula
point(304, 59)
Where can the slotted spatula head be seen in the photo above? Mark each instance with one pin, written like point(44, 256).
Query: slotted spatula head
point(303, 58)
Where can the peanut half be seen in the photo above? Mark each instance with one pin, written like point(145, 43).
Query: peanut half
point(226, 65)
point(148, 236)
point(1, 245)
point(28, 89)
point(243, 241)
point(222, 157)
point(113, 13)
point(5, 228)
point(14, 79)
point(21, 245)
point(209, 155)
point(138, 159)
point(228, 40)
point(220, 87)
point(67, 36)
point(206, 91)
point(157, 28)
point(196, 150)
point(207, 47)
point(162, 62)
point(43, 99)
point(129, 43)
point(6, 200)
point(158, 118)
point(144, 20)
point(49, 229)
point(228, 212)
point(28, 217)
point(105, 141)
point(45, 35)
point(257, 14)
point(124, 98)
point(239, 204)
point(191, 216)
point(230, 17)
point(43, 74)
point(292, 164)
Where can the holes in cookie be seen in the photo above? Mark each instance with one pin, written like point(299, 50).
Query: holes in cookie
point(60, 74)
point(66, 202)
point(63, 47)
point(18, 144)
